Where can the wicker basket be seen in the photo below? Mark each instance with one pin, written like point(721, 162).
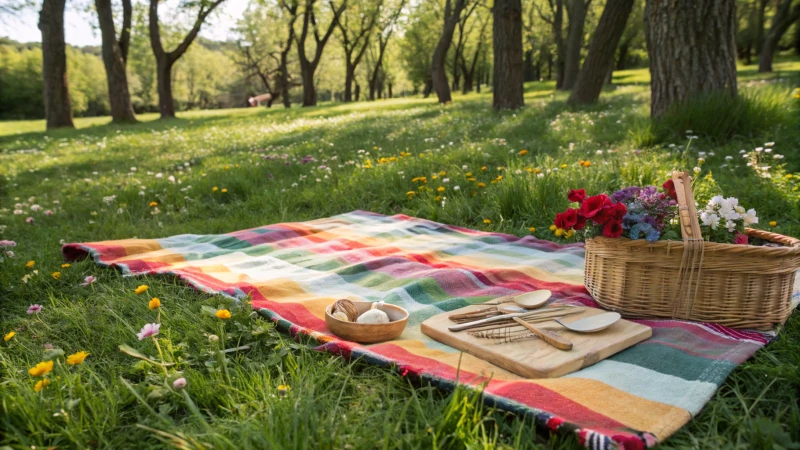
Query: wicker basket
point(740, 286)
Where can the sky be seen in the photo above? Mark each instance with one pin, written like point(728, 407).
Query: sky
point(80, 27)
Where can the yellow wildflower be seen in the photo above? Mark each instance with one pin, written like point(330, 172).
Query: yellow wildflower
point(487, 221)
point(471, 179)
point(532, 229)
point(537, 170)
point(443, 173)
point(283, 390)
point(56, 275)
point(559, 232)
point(523, 152)
point(153, 204)
point(587, 164)
point(483, 169)
point(76, 358)
point(773, 224)
point(30, 264)
point(438, 198)
point(434, 176)
point(553, 228)
point(155, 303)
point(224, 314)
point(140, 289)
point(227, 167)
point(569, 234)
point(481, 185)
point(563, 166)
point(66, 266)
point(43, 368)
point(41, 384)
point(440, 189)
point(8, 337)
point(468, 174)
point(410, 194)
point(214, 189)
point(224, 190)
point(788, 175)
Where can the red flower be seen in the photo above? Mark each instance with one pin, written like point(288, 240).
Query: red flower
point(592, 206)
point(577, 195)
point(669, 186)
point(740, 238)
point(612, 229)
point(567, 219)
point(581, 222)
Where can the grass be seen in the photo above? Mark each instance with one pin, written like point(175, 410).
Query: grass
point(87, 178)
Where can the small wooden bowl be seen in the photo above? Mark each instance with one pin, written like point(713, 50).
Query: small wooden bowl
point(368, 333)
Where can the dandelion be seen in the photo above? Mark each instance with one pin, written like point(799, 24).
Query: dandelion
point(559, 232)
point(148, 330)
point(569, 234)
point(224, 190)
point(56, 275)
point(30, 264)
point(523, 152)
point(41, 369)
point(773, 223)
point(153, 204)
point(41, 384)
point(283, 390)
point(9, 336)
point(214, 189)
point(587, 164)
point(532, 229)
point(89, 280)
point(66, 266)
point(155, 303)
point(77, 358)
point(35, 309)
point(487, 221)
point(563, 166)
point(223, 314)
point(553, 228)
point(142, 288)
point(440, 189)
point(481, 185)
point(179, 384)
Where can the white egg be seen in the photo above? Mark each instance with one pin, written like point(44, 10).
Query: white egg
point(373, 316)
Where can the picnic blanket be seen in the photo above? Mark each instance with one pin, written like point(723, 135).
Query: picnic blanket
point(292, 271)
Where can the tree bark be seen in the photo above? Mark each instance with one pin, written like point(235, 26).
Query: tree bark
point(352, 52)
point(576, 10)
point(507, 44)
point(114, 59)
point(692, 49)
point(759, 36)
point(781, 21)
point(349, 77)
point(57, 108)
point(309, 66)
point(438, 65)
point(166, 102)
point(600, 60)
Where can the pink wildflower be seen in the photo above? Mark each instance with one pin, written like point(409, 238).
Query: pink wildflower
point(29, 220)
point(6, 244)
point(89, 280)
point(179, 384)
point(35, 309)
point(148, 330)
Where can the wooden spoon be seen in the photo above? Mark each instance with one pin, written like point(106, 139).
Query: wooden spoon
point(528, 300)
point(546, 335)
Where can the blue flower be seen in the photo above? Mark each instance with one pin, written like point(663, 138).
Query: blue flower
point(650, 233)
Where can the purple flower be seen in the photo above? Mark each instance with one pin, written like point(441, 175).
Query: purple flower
point(148, 330)
point(89, 280)
point(7, 244)
point(626, 194)
point(179, 384)
point(35, 309)
point(307, 159)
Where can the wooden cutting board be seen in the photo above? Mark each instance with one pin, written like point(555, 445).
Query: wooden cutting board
point(534, 358)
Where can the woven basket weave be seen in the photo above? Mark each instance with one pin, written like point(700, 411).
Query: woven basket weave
point(740, 286)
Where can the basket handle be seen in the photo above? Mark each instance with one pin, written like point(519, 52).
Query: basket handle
point(772, 237)
point(687, 211)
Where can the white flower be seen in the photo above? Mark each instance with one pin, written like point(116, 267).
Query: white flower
point(456, 188)
point(728, 158)
point(445, 180)
point(759, 149)
point(731, 226)
point(750, 217)
point(696, 170)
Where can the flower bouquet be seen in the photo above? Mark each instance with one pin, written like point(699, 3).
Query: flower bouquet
point(650, 253)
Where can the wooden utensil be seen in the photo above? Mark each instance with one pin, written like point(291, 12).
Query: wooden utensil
point(546, 335)
point(504, 318)
point(591, 324)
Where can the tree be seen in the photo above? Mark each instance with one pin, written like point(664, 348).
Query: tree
point(438, 73)
point(781, 21)
point(507, 44)
point(58, 112)
point(600, 60)
point(468, 68)
point(355, 39)
point(165, 60)
point(309, 66)
point(259, 47)
point(556, 20)
point(115, 58)
point(692, 49)
point(284, 80)
point(632, 37)
point(463, 35)
point(385, 28)
point(421, 33)
point(576, 11)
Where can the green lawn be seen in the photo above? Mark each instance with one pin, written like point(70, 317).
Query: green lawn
point(99, 181)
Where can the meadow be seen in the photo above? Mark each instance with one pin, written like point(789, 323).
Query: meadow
point(219, 171)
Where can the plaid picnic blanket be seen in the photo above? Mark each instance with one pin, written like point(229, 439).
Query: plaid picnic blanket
point(292, 271)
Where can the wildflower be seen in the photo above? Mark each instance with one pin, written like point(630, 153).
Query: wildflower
point(7, 244)
point(9, 336)
point(29, 220)
point(213, 338)
point(30, 264)
point(142, 288)
point(553, 228)
point(223, 314)
point(532, 229)
point(34, 309)
point(153, 204)
point(481, 185)
point(440, 189)
point(559, 232)
point(41, 384)
point(41, 369)
point(523, 152)
point(66, 266)
point(179, 384)
point(224, 190)
point(283, 390)
point(410, 194)
point(443, 173)
point(89, 280)
point(587, 164)
point(76, 358)
point(214, 189)
point(56, 275)
point(563, 166)
point(696, 170)
point(483, 169)
point(155, 303)
point(148, 330)
point(487, 221)
point(773, 223)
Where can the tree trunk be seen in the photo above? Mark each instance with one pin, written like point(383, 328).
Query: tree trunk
point(389, 85)
point(623, 56)
point(358, 91)
point(759, 37)
point(692, 49)
point(428, 88)
point(284, 87)
point(600, 60)
point(781, 21)
point(507, 44)
point(576, 9)
point(166, 103)
point(309, 90)
point(57, 108)
point(558, 37)
point(349, 76)
point(438, 65)
point(119, 96)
